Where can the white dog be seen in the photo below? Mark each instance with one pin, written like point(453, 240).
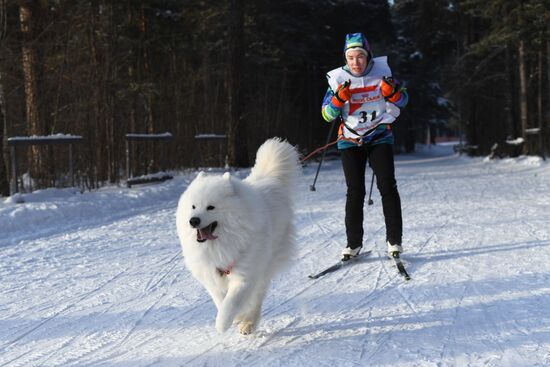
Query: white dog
point(236, 235)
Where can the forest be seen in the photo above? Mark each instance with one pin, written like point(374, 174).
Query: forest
point(237, 72)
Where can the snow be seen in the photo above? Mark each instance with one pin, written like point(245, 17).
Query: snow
point(443, 102)
point(532, 131)
point(210, 136)
point(97, 279)
point(33, 138)
point(149, 136)
point(516, 141)
point(416, 55)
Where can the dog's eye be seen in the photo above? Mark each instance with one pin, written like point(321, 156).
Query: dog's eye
point(192, 206)
point(210, 207)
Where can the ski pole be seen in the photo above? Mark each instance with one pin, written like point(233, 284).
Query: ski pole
point(370, 202)
point(312, 186)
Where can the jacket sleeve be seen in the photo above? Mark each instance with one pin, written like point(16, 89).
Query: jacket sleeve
point(330, 111)
point(401, 98)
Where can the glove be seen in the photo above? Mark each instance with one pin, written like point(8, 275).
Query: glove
point(389, 87)
point(342, 94)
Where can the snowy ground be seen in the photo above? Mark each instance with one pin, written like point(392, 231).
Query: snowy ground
point(98, 279)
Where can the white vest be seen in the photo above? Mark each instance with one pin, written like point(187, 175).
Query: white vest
point(367, 107)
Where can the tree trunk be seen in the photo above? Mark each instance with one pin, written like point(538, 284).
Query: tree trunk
point(96, 91)
point(512, 130)
point(548, 80)
point(4, 152)
point(523, 93)
point(471, 123)
point(540, 98)
point(237, 148)
point(4, 166)
point(29, 60)
point(546, 123)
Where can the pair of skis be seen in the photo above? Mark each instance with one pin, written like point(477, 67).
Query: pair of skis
point(342, 263)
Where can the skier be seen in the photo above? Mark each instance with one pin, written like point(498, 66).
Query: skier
point(367, 100)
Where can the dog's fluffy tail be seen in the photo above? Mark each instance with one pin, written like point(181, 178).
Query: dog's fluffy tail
point(276, 159)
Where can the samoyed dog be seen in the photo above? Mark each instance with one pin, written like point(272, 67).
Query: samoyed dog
point(236, 234)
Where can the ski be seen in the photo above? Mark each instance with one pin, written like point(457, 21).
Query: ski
point(400, 266)
point(340, 265)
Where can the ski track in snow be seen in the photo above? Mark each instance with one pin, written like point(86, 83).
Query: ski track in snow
point(108, 287)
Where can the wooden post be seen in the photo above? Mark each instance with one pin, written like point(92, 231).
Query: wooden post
point(14, 187)
point(71, 164)
point(33, 141)
point(163, 158)
point(130, 179)
point(128, 162)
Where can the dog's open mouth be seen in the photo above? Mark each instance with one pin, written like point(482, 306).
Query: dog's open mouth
point(207, 233)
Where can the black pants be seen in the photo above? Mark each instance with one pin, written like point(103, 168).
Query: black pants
point(380, 158)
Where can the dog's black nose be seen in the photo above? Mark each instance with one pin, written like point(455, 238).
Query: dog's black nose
point(195, 222)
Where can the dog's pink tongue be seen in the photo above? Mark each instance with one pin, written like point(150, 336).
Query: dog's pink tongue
point(205, 234)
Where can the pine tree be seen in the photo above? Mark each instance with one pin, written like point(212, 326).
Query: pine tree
point(426, 47)
point(517, 29)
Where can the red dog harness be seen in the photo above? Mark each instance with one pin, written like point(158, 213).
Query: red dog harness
point(227, 271)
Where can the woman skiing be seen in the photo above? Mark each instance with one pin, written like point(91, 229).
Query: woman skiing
point(366, 99)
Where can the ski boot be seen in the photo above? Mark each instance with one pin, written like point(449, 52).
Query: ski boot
point(394, 250)
point(350, 252)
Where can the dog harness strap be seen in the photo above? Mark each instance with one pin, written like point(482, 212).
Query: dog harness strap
point(227, 271)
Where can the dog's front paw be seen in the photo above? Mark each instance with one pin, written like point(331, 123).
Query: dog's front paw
point(222, 324)
point(246, 328)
